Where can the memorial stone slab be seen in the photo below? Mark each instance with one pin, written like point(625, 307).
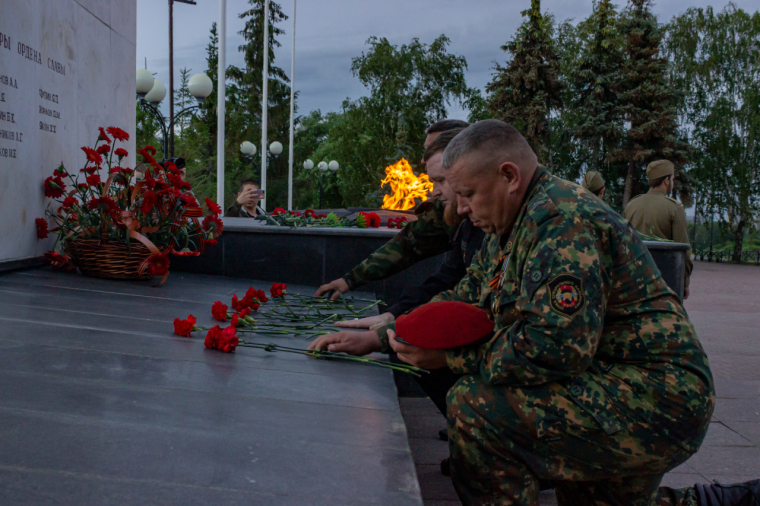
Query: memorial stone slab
point(64, 71)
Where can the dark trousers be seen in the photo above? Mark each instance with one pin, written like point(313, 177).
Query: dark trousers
point(436, 384)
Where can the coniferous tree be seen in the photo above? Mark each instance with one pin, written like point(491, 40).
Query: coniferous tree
point(527, 90)
point(183, 99)
point(249, 82)
point(595, 81)
point(648, 100)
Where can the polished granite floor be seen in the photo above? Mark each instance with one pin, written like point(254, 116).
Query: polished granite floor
point(101, 404)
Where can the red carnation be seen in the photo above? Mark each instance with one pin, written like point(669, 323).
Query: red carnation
point(104, 205)
point(54, 187)
point(68, 202)
point(158, 264)
point(186, 253)
point(189, 200)
point(103, 149)
point(82, 187)
point(149, 201)
point(210, 242)
point(234, 320)
point(60, 171)
point(150, 149)
point(120, 152)
point(146, 157)
point(321, 216)
point(391, 223)
point(245, 312)
point(90, 169)
point(278, 290)
point(213, 206)
point(259, 295)
point(42, 228)
point(219, 311)
point(235, 303)
point(92, 155)
point(213, 225)
point(222, 340)
point(93, 180)
point(59, 261)
point(103, 136)
point(309, 213)
point(373, 220)
point(278, 210)
point(118, 133)
point(184, 327)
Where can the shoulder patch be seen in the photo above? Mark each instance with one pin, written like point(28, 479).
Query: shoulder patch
point(566, 295)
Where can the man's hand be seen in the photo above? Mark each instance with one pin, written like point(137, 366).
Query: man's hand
point(370, 322)
point(337, 286)
point(420, 357)
point(353, 342)
point(685, 292)
point(246, 196)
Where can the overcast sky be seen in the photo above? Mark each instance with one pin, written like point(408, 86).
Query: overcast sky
point(330, 32)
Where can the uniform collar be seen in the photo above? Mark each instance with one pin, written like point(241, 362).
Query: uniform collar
point(656, 191)
point(540, 174)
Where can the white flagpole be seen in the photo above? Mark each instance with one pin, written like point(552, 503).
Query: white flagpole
point(265, 105)
point(220, 103)
point(292, 111)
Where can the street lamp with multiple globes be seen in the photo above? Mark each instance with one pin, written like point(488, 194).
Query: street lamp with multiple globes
point(151, 92)
point(323, 167)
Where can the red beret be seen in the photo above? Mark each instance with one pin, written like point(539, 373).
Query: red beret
point(443, 325)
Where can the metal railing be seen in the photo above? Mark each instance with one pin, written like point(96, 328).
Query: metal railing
point(747, 256)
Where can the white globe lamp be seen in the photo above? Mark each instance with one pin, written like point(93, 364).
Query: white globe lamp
point(200, 86)
point(333, 165)
point(275, 148)
point(308, 164)
point(144, 82)
point(248, 148)
point(157, 93)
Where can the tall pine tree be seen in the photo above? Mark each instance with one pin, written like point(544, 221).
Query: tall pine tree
point(649, 102)
point(249, 81)
point(527, 90)
point(595, 81)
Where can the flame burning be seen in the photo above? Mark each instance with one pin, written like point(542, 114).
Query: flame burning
point(405, 186)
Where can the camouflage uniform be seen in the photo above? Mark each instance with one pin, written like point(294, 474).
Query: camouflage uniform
point(594, 379)
point(427, 237)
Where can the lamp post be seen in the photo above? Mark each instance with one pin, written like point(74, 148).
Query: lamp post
point(323, 167)
point(248, 149)
point(151, 92)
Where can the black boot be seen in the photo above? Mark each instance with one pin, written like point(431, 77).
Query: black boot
point(736, 494)
point(446, 467)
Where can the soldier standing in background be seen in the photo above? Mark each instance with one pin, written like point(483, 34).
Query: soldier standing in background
point(656, 214)
point(594, 182)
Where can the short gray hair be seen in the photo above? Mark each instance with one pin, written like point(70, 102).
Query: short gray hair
point(486, 135)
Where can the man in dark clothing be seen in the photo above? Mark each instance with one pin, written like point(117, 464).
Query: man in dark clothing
point(246, 204)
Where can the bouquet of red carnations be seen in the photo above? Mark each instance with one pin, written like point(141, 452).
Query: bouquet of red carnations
point(111, 225)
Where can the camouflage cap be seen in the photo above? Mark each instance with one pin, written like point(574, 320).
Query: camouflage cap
point(660, 168)
point(593, 181)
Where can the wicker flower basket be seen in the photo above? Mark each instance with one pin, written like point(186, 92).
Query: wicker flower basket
point(110, 260)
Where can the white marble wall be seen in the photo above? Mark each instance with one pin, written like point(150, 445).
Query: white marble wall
point(95, 41)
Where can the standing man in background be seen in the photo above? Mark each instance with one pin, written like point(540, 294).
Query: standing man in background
point(594, 182)
point(654, 213)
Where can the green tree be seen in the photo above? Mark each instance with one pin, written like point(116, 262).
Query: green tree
point(148, 131)
point(528, 89)
point(410, 87)
point(248, 81)
point(183, 99)
point(595, 81)
point(648, 101)
point(716, 62)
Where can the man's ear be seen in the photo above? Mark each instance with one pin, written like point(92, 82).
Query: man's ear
point(511, 173)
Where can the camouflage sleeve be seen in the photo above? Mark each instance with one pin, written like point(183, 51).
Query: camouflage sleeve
point(467, 290)
point(555, 316)
point(681, 234)
point(421, 239)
